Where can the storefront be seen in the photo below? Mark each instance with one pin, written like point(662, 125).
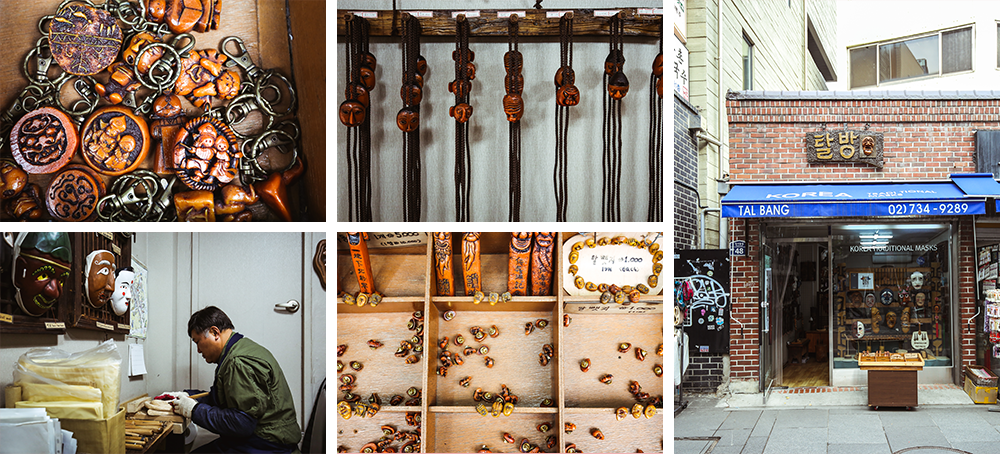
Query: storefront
point(858, 218)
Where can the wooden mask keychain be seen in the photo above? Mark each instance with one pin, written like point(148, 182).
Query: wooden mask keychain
point(513, 108)
point(616, 85)
point(462, 112)
point(354, 114)
point(567, 95)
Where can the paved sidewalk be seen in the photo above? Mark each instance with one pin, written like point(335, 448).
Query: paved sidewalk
point(837, 422)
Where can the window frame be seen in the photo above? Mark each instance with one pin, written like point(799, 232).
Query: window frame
point(749, 44)
point(940, 45)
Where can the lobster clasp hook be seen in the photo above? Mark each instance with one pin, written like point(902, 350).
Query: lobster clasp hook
point(242, 58)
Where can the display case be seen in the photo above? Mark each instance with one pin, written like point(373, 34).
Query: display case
point(448, 417)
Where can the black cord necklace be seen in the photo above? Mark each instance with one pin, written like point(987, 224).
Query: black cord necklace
point(513, 107)
point(567, 94)
point(656, 138)
point(616, 84)
point(408, 118)
point(354, 113)
point(465, 71)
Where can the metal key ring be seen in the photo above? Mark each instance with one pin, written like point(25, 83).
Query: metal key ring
point(42, 64)
point(259, 145)
point(239, 110)
point(266, 104)
point(171, 67)
point(84, 86)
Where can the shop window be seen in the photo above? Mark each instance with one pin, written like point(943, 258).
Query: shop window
point(932, 55)
point(998, 45)
point(892, 291)
point(747, 63)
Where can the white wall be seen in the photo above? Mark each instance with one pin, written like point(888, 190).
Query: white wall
point(919, 17)
point(488, 129)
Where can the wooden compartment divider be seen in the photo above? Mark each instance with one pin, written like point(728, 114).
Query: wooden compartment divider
point(449, 421)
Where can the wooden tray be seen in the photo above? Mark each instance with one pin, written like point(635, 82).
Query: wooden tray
point(265, 27)
point(450, 422)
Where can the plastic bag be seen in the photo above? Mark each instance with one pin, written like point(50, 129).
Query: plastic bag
point(70, 374)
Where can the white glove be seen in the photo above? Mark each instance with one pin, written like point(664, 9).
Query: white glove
point(184, 405)
point(175, 395)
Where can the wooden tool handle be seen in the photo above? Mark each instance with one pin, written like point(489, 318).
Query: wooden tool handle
point(199, 395)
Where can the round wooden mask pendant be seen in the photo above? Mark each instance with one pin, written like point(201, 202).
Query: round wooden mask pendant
point(352, 113)
point(614, 62)
point(84, 40)
point(421, 65)
point(462, 112)
point(618, 85)
point(114, 141)
point(565, 76)
point(658, 65)
point(368, 60)
point(513, 106)
point(357, 92)
point(513, 83)
point(43, 141)
point(568, 95)
point(73, 194)
point(207, 154)
point(408, 120)
point(411, 94)
point(367, 77)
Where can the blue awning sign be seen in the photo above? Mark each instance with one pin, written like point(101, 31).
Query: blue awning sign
point(853, 199)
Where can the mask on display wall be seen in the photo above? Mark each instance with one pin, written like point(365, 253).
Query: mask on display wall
point(41, 268)
point(917, 280)
point(123, 290)
point(100, 281)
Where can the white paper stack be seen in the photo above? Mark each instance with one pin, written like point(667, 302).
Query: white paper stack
point(32, 430)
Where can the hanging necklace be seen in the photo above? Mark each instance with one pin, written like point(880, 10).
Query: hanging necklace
point(616, 84)
point(354, 114)
point(465, 71)
point(566, 95)
point(408, 118)
point(656, 138)
point(513, 107)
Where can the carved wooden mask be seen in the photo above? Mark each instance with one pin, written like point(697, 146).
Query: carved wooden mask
point(461, 112)
point(408, 120)
point(513, 106)
point(352, 113)
point(568, 95)
point(618, 85)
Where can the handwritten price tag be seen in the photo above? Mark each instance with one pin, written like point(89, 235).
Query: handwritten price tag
point(6, 318)
point(605, 263)
point(105, 326)
point(378, 240)
point(54, 325)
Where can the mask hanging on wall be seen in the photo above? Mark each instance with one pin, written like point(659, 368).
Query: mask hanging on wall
point(120, 299)
point(100, 277)
point(41, 267)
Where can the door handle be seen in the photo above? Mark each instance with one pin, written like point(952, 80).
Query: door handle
point(291, 306)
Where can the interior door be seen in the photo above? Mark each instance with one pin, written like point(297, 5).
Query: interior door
point(246, 275)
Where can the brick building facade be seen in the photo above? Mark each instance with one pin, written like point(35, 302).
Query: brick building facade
point(927, 136)
point(685, 175)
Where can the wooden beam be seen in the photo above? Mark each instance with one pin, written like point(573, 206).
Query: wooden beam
point(535, 23)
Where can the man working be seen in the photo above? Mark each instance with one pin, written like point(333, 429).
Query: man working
point(250, 405)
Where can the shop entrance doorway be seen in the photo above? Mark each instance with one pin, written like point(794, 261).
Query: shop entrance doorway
point(795, 310)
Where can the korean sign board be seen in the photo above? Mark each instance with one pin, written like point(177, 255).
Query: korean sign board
point(845, 146)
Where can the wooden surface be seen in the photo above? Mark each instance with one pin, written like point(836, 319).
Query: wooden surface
point(356, 432)
point(534, 23)
point(262, 26)
point(812, 373)
point(626, 435)
point(597, 337)
point(468, 433)
point(515, 358)
point(892, 388)
point(450, 422)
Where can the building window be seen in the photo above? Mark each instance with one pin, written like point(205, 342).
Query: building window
point(747, 63)
point(933, 55)
point(998, 45)
point(892, 291)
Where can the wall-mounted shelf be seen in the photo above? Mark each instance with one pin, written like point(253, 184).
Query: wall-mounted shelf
point(637, 22)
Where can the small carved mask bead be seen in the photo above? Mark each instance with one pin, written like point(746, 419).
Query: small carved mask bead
point(514, 83)
point(614, 62)
point(357, 92)
point(659, 86)
point(410, 94)
point(352, 113)
point(513, 61)
point(368, 60)
point(138, 42)
point(461, 112)
point(513, 106)
point(367, 77)
point(618, 85)
point(421, 65)
point(408, 120)
point(565, 76)
point(568, 95)
point(470, 71)
point(460, 88)
point(658, 65)
point(454, 55)
point(167, 105)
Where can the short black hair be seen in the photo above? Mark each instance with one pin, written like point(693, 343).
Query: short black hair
point(207, 318)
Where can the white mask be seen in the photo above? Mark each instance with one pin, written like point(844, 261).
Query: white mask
point(123, 291)
point(917, 280)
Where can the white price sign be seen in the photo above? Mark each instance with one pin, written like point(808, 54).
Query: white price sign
point(619, 264)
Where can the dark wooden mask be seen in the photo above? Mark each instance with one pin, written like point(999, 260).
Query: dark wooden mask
point(352, 113)
point(513, 106)
point(461, 112)
point(408, 120)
